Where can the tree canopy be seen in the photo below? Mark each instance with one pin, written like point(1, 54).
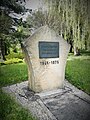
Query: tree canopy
point(6, 22)
point(70, 19)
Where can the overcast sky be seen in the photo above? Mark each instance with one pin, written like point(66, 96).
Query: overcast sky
point(34, 4)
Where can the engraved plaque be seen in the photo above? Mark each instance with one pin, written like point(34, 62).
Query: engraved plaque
point(48, 49)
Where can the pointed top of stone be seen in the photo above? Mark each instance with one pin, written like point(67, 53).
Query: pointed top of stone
point(43, 33)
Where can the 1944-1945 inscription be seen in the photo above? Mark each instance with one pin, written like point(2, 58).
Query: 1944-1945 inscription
point(48, 49)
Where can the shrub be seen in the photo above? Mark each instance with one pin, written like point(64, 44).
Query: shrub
point(15, 55)
point(11, 61)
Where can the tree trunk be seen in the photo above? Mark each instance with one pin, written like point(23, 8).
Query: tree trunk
point(71, 46)
point(85, 45)
point(6, 49)
point(76, 51)
point(3, 49)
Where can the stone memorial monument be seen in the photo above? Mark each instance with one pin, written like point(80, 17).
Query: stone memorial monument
point(46, 55)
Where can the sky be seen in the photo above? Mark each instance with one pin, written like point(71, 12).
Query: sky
point(33, 4)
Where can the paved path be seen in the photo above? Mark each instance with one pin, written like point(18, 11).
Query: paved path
point(68, 103)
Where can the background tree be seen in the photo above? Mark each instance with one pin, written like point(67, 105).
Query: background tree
point(73, 24)
point(70, 19)
point(6, 22)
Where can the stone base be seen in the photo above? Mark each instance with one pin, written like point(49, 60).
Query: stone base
point(68, 103)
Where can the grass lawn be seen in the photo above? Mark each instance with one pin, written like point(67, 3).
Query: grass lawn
point(78, 71)
point(9, 109)
point(13, 73)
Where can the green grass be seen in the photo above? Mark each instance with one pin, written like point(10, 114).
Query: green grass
point(13, 73)
point(9, 109)
point(78, 71)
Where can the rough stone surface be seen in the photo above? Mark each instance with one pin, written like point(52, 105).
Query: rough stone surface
point(43, 76)
point(68, 103)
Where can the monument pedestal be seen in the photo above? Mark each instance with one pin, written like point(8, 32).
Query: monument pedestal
point(46, 55)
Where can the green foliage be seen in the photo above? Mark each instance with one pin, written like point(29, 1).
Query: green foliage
point(15, 55)
point(13, 58)
point(11, 5)
point(10, 110)
point(78, 71)
point(11, 61)
point(71, 20)
point(38, 19)
point(13, 73)
point(5, 23)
